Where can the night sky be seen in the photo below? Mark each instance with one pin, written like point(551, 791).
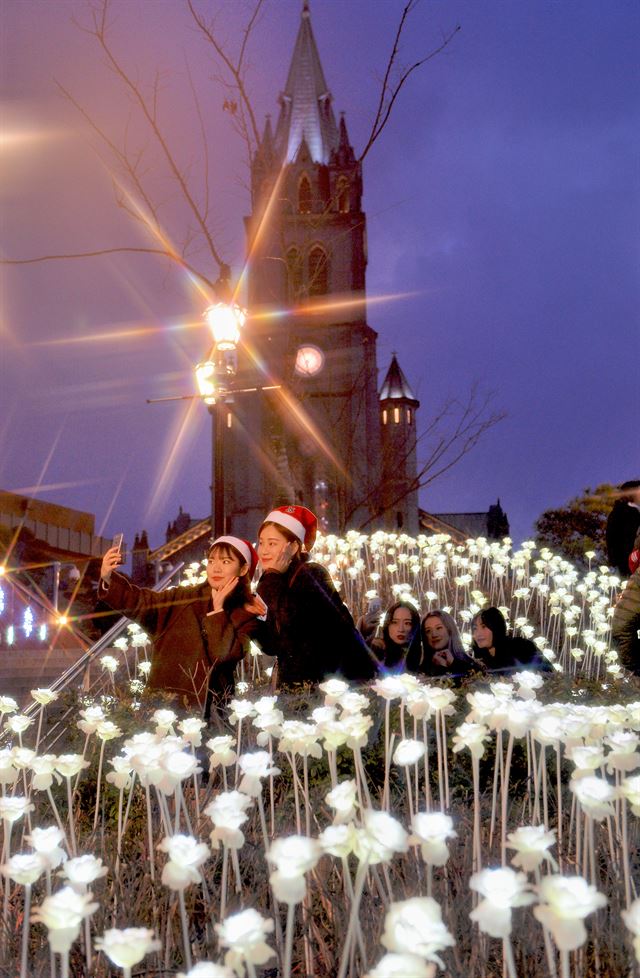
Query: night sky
point(504, 196)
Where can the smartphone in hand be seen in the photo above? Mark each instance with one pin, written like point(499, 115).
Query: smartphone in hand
point(118, 540)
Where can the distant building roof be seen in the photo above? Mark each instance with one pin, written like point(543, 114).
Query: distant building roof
point(306, 114)
point(396, 386)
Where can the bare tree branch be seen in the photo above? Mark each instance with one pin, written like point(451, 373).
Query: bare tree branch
point(389, 93)
point(164, 253)
point(252, 134)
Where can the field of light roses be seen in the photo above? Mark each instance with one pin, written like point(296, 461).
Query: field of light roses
point(405, 829)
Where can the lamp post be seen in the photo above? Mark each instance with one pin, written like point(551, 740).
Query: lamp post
point(214, 377)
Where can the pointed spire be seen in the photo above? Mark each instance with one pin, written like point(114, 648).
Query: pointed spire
point(396, 386)
point(305, 104)
point(266, 145)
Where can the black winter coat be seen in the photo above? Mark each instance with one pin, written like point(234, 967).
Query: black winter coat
point(512, 655)
point(309, 628)
point(623, 524)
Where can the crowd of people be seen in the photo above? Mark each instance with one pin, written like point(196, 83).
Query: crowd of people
point(297, 616)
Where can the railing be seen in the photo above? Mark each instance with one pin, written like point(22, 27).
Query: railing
point(101, 684)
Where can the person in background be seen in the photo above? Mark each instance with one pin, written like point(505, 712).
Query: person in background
point(199, 633)
point(625, 624)
point(398, 647)
point(499, 652)
point(623, 524)
point(443, 653)
point(307, 625)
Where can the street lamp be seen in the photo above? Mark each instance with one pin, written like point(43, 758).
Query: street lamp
point(214, 378)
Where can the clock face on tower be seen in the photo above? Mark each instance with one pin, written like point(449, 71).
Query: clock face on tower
point(309, 360)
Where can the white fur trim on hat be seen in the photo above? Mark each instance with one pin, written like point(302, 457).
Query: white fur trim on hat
point(238, 544)
point(289, 522)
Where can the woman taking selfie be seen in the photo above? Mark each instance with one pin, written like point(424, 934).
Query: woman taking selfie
point(307, 627)
point(199, 633)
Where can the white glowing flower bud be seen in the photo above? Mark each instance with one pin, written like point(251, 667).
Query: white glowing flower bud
point(409, 752)
point(531, 843)
point(23, 757)
point(19, 723)
point(127, 947)
point(107, 730)
point(69, 765)
point(333, 690)
point(352, 702)
point(301, 738)
point(46, 842)
point(91, 717)
point(44, 771)
point(8, 770)
point(222, 752)
point(164, 720)
point(379, 838)
point(343, 800)
point(7, 705)
point(402, 966)
point(415, 926)
point(390, 688)
point(206, 969)
point(595, 795)
point(240, 710)
point(502, 889)
point(292, 857)
point(244, 934)
point(144, 667)
point(109, 663)
point(624, 754)
point(228, 811)
point(565, 902)
point(472, 736)
point(356, 726)
point(63, 913)
point(338, 840)
point(82, 870)
point(25, 868)
point(186, 854)
point(191, 729)
point(431, 831)
point(44, 696)
point(120, 777)
point(13, 808)
point(255, 766)
point(630, 789)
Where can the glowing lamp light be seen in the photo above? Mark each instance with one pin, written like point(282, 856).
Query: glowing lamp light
point(225, 320)
point(10, 635)
point(206, 380)
point(27, 623)
point(63, 620)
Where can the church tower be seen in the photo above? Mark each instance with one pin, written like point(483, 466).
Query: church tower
point(398, 406)
point(316, 439)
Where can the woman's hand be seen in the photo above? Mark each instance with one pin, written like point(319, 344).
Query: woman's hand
point(256, 606)
point(110, 561)
point(281, 561)
point(219, 596)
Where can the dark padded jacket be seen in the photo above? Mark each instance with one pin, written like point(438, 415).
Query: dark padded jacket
point(190, 647)
point(309, 628)
point(626, 623)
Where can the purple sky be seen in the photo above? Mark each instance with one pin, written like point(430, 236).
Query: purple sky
point(505, 192)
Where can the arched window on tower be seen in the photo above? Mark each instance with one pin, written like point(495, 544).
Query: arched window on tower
point(342, 195)
point(304, 195)
point(318, 271)
point(294, 274)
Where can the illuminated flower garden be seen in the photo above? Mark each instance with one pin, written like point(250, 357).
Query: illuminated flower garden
point(406, 827)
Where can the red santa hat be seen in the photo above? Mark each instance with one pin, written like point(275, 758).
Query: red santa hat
point(298, 520)
point(244, 548)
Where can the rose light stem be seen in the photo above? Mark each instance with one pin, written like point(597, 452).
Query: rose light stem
point(361, 875)
point(288, 940)
point(505, 795)
point(98, 780)
point(185, 930)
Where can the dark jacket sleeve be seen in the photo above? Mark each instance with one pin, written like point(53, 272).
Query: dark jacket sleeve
point(626, 624)
point(141, 604)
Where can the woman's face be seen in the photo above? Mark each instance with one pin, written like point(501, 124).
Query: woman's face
point(222, 566)
point(435, 633)
point(482, 636)
point(274, 547)
point(400, 626)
